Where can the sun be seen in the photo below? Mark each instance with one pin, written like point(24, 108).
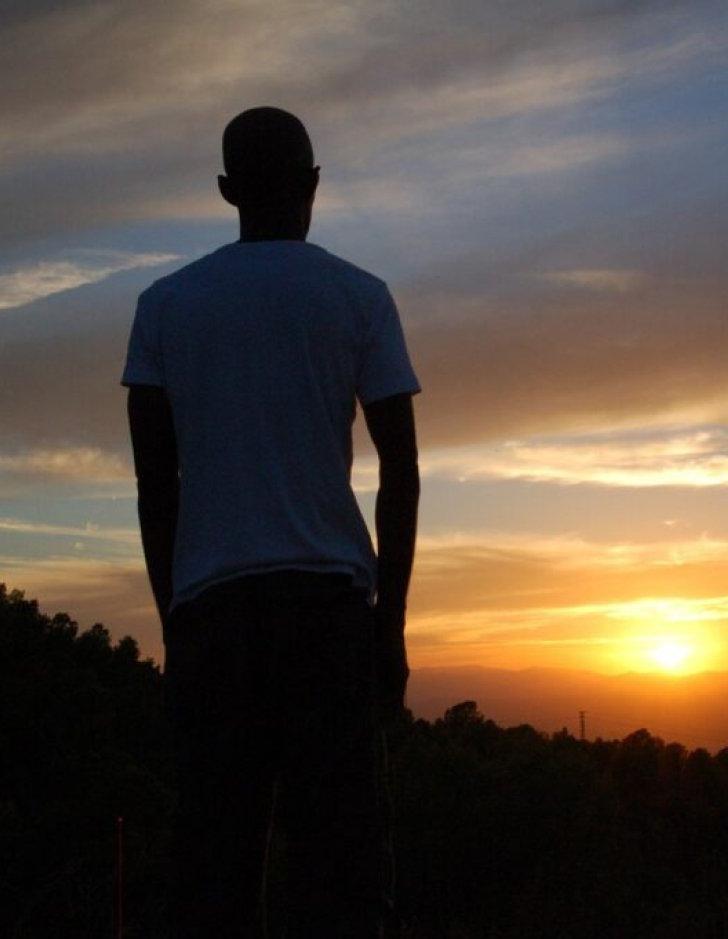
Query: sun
point(671, 654)
point(672, 635)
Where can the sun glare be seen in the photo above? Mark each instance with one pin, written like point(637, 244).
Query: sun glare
point(671, 654)
point(674, 635)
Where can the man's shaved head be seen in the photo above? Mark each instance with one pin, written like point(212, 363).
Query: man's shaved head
point(268, 156)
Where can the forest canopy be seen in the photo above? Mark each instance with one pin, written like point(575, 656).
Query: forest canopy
point(499, 832)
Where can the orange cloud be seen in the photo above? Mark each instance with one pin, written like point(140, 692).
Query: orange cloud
point(512, 601)
point(489, 597)
point(693, 457)
point(621, 281)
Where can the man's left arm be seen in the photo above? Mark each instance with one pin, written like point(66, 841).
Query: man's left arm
point(157, 473)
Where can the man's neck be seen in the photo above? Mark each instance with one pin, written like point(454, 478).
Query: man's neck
point(290, 227)
point(266, 236)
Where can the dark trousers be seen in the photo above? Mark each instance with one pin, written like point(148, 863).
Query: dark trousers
point(270, 690)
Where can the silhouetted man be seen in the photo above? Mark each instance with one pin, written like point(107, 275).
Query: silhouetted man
point(283, 630)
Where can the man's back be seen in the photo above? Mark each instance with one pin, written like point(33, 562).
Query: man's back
point(263, 348)
point(275, 682)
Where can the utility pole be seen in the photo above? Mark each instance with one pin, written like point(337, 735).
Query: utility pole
point(582, 725)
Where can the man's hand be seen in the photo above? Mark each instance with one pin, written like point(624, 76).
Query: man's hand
point(392, 670)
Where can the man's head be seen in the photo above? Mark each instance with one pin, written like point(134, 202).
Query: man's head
point(268, 162)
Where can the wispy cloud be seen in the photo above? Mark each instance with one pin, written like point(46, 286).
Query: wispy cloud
point(90, 531)
point(134, 84)
point(487, 596)
point(615, 280)
point(515, 156)
point(602, 635)
point(568, 552)
point(557, 265)
point(87, 464)
point(492, 596)
point(44, 278)
point(692, 457)
point(558, 584)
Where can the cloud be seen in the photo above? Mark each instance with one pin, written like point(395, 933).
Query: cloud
point(129, 537)
point(501, 576)
point(691, 457)
point(538, 189)
point(95, 92)
point(499, 358)
point(61, 361)
point(86, 464)
point(48, 277)
point(517, 600)
point(497, 365)
point(619, 281)
point(485, 596)
point(509, 155)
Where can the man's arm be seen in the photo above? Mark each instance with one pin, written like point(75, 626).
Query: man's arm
point(391, 424)
point(156, 467)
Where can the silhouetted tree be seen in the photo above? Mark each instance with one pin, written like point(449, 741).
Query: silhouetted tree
point(500, 832)
point(82, 741)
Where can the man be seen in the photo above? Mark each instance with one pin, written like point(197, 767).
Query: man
point(283, 630)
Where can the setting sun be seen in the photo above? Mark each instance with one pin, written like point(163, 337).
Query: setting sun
point(677, 635)
point(671, 654)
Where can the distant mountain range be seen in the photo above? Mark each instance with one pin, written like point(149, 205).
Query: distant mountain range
point(690, 709)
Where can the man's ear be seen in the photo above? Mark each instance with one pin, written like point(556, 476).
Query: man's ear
point(315, 179)
point(227, 190)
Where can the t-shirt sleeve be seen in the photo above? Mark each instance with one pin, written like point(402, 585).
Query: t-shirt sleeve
point(144, 355)
point(385, 368)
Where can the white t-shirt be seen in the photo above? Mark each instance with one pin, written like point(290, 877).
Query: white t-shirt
point(263, 348)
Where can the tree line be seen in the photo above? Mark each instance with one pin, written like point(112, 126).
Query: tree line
point(499, 832)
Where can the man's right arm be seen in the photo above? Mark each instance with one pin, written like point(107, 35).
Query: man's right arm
point(391, 424)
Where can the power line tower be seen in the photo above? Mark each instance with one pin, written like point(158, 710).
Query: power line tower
point(582, 725)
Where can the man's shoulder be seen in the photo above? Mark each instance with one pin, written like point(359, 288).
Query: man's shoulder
point(182, 277)
point(209, 269)
point(367, 284)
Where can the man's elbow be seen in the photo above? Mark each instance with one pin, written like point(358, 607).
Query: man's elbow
point(400, 472)
point(157, 499)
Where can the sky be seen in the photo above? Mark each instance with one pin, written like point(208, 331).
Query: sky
point(542, 186)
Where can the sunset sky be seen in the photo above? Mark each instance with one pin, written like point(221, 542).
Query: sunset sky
point(543, 187)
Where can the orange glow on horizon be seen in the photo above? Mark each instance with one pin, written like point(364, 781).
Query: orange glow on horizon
point(676, 636)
